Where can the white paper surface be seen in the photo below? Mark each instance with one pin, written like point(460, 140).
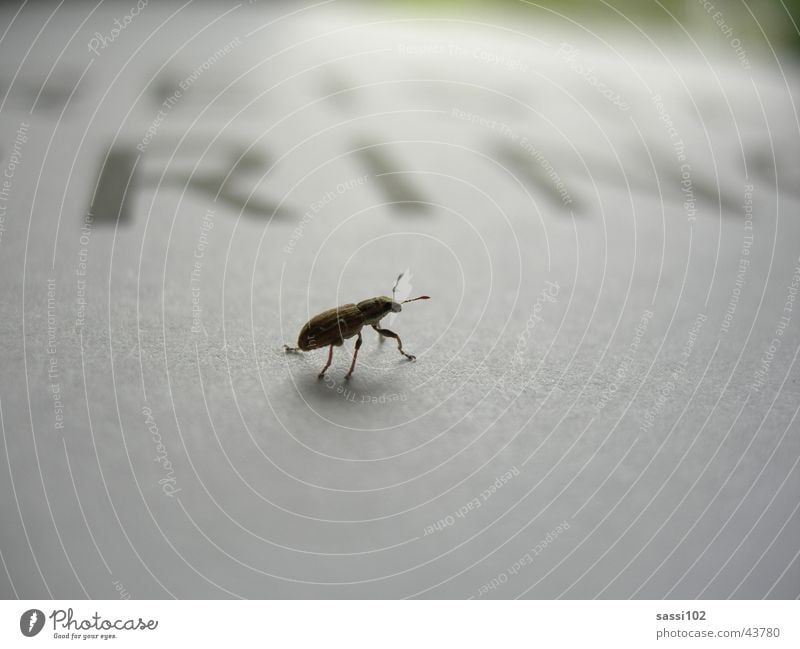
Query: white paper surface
point(576, 350)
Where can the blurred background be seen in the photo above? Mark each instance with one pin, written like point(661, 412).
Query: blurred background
point(600, 198)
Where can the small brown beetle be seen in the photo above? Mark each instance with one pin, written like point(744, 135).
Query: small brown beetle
point(332, 327)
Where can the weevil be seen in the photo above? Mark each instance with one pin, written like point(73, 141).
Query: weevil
point(332, 327)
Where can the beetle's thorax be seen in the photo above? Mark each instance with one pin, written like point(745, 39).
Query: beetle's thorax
point(376, 308)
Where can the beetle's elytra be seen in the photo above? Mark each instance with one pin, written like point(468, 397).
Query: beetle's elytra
point(332, 327)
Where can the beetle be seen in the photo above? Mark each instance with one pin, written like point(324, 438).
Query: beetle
point(332, 327)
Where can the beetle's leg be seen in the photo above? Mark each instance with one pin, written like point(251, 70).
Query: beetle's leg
point(328, 364)
point(293, 350)
point(392, 334)
point(355, 355)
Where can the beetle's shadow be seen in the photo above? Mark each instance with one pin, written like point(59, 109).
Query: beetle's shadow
point(362, 389)
point(367, 385)
point(354, 390)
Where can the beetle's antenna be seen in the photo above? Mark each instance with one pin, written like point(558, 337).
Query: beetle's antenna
point(394, 288)
point(421, 297)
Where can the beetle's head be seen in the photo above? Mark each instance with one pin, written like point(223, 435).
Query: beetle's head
point(394, 305)
point(390, 305)
point(387, 305)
